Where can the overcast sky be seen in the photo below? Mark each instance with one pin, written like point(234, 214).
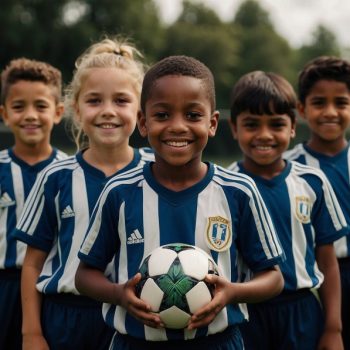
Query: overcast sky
point(293, 19)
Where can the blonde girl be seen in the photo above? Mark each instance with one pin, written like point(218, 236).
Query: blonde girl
point(103, 98)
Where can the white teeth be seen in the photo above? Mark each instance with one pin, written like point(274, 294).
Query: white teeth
point(177, 143)
point(107, 126)
point(263, 148)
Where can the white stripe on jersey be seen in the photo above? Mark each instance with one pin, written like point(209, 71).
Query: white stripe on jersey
point(81, 218)
point(3, 241)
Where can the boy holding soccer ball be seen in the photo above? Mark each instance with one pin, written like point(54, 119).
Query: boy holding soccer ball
point(306, 215)
point(179, 198)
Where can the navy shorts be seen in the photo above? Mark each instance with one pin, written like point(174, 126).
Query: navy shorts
point(290, 321)
point(344, 266)
point(72, 322)
point(230, 339)
point(10, 309)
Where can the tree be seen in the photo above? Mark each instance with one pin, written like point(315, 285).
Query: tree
point(199, 33)
point(323, 43)
point(260, 47)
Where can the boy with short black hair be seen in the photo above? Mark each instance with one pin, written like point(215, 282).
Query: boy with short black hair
point(324, 103)
point(306, 215)
point(30, 107)
point(179, 198)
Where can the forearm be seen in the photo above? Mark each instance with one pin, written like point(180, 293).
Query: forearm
point(31, 298)
point(264, 285)
point(93, 283)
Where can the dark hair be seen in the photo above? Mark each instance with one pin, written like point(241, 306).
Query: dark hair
point(322, 68)
point(30, 70)
point(263, 93)
point(178, 65)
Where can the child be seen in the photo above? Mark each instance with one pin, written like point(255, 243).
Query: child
point(324, 103)
point(178, 198)
point(104, 94)
point(306, 215)
point(30, 107)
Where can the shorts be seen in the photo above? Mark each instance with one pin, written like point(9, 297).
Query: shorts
point(230, 339)
point(290, 321)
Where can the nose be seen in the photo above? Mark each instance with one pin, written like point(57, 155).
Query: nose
point(330, 110)
point(30, 113)
point(178, 124)
point(264, 133)
point(108, 110)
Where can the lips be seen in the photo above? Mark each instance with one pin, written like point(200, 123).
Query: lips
point(30, 126)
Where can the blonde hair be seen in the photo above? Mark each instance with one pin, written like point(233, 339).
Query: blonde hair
point(108, 53)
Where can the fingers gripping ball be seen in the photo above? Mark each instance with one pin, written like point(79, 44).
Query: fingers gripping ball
point(173, 283)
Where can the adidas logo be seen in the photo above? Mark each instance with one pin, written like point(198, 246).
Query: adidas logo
point(135, 238)
point(67, 212)
point(6, 200)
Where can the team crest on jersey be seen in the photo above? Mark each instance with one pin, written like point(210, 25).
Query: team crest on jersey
point(218, 235)
point(303, 209)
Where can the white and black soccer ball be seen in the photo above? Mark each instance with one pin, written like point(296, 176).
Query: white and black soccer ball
point(172, 282)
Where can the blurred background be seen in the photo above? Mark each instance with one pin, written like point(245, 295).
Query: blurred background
point(230, 37)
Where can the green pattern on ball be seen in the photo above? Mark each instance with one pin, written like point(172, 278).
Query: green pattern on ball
point(175, 284)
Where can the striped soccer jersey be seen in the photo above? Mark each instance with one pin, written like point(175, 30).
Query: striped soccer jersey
point(306, 213)
point(16, 180)
point(337, 170)
point(56, 216)
point(222, 214)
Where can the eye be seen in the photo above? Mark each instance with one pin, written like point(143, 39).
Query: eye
point(122, 100)
point(193, 115)
point(161, 115)
point(342, 103)
point(250, 124)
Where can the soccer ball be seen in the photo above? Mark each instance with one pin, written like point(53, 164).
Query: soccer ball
point(172, 282)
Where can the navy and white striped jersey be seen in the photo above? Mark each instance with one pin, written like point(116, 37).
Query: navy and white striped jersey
point(222, 214)
point(56, 216)
point(337, 170)
point(306, 213)
point(16, 180)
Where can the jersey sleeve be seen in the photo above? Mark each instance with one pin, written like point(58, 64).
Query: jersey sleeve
point(102, 240)
point(37, 225)
point(257, 240)
point(327, 217)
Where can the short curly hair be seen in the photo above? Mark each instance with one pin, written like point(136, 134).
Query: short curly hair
point(182, 66)
point(31, 70)
point(322, 68)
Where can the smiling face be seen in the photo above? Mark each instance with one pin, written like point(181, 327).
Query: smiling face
point(263, 139)
point(178, 121)
point(30, 111)
point(327, 112)
point(107, 107)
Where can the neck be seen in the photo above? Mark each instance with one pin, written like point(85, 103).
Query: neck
point(268, 171)
point(179, 178)
point(329, 148)
point(32, 154)
point(109, 160)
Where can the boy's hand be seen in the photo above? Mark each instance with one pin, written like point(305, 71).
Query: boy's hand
point(330, 340)
point(137, 307)
point(223, 289)
point(34, 341)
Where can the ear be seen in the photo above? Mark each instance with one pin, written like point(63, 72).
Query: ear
point(214, 122)
point(141, 123)
point(233, 127)
point(4, 115)
point(293, 130)
point(58, 113)
point(301, 109)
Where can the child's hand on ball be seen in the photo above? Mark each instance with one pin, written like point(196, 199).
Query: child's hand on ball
point(137, 307)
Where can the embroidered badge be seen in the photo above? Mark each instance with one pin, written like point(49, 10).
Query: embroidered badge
point(218, 235)
point(303, 209)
